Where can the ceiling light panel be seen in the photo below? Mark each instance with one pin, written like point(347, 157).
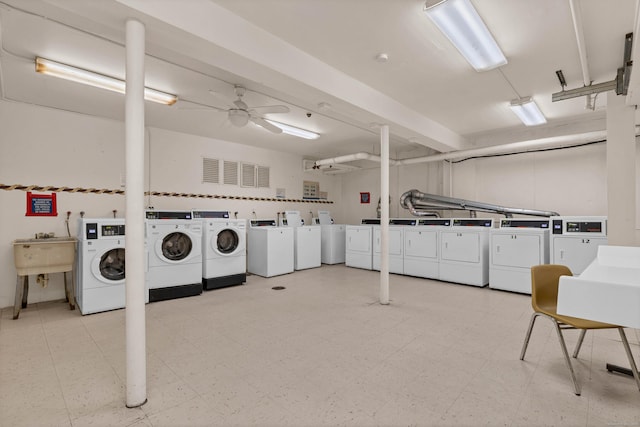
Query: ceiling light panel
point(460, 23)
point(527, 111)
point(90, 78)
point(292, 130)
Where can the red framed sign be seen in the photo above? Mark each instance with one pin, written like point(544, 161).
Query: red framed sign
point(41, 204)
point(365, 197)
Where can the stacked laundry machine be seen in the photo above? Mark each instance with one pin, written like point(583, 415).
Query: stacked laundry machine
point(516, 246)
point(224, 251)
point(359, 244)
point(174, 244)
point(332, 239)
point(465, 251)
point(100, 273)
point(269, 248)
point(306, 241)
point(575, 240)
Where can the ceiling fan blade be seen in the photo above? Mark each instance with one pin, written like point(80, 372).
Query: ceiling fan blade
point(271, 109)
point(240, 104)
point(221, 97)
point(265, 124)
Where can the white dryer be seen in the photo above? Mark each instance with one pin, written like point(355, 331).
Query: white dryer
point(464, 251)
point(306, 241)
point(422, 247)
point(174, 245)
point(575, 240)
point(224, 250)
point(359, 244)
point(332, 239)
point(269, 248)
point(100, 275)
point(516, 246)
point(397, 227)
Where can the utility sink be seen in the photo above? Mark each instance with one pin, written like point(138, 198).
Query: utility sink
point(42, 256)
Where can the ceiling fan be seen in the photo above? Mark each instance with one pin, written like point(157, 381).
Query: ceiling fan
point(240, 113)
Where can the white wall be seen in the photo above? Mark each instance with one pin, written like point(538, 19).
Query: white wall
point(176, 165)
point(570, 181)
point(40, 146)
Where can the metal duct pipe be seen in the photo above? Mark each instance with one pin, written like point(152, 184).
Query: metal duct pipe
point(554, 141)
point(407, 203)
point(351, 158)
point(414, 200)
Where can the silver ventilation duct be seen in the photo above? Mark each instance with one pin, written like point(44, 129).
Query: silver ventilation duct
point(423, 204)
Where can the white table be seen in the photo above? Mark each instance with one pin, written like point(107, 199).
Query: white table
point(608, 290)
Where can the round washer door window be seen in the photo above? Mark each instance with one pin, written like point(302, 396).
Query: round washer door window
point(227, 241)
point(112, 264)
point(176, 246)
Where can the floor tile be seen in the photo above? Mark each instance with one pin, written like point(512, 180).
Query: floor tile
point(322, 352)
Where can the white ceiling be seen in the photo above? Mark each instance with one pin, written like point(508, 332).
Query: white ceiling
point(301, 53)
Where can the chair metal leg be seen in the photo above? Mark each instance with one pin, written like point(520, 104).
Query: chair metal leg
point(579, 343)
point(563, 346)
point(632, 362)
point(528, 336)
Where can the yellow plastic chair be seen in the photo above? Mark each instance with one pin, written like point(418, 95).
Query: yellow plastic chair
point(544, 300)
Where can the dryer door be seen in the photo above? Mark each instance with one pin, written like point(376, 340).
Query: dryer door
point(175, 247)
point(226, 242)
point(109, 267)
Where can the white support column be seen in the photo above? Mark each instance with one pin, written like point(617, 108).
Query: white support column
point(136, 370)
point(384, 214)
point(621, 172)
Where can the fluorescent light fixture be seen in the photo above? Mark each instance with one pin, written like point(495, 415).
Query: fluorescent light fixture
point(292, 130)
point(462, 25)
point(527, 110)
point(78, 75)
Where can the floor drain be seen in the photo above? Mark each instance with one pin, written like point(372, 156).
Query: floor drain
point(278, 288)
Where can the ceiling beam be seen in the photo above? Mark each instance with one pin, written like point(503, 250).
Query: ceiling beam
point(250, 52)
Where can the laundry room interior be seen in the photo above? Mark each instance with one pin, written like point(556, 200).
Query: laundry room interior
point(427, 170)
point(174, 165)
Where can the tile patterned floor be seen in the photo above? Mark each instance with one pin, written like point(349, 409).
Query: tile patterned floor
point(322, 352)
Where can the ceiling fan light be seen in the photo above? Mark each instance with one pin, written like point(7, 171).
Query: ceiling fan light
point(292, 130)
point(238, 118)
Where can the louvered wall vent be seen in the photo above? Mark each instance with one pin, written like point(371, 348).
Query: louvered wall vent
point(210, 170)
point(230, 172)
point(248, 175)
point(263, 177)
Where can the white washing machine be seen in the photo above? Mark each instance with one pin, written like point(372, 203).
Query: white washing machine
point(174, 245)
point(306, 241)
point(269, 248)
point(516, 246)
point(100, 275)
point(575, 240)
point(397, 227)
point(359, 244)
point(224, 250)
point(422, 247)
point(332, 239)
point(464, 251)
